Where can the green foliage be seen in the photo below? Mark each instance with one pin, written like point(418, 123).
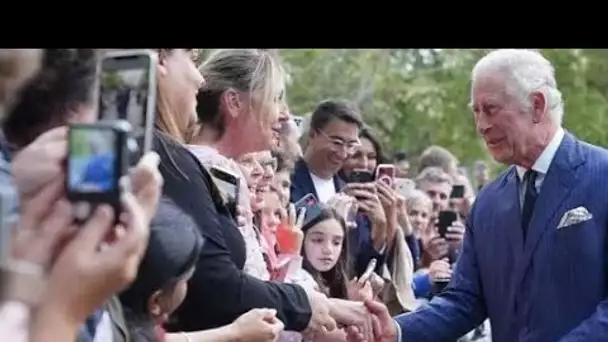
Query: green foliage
point(79, 143)
point(418, 97)
point(111, 80)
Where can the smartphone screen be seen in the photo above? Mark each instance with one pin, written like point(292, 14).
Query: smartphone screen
point(457, 191)
point(127, 91)
point(386, 173)
point(228, 184)
point(445, 220)
point(92, 160)
point(360, 176)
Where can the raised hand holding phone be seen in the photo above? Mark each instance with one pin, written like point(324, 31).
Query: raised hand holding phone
point(346, 206)
point(361, 288)
point(369, 203)
point(289, 234)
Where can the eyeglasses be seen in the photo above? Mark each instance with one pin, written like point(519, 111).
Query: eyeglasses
point(340, 144)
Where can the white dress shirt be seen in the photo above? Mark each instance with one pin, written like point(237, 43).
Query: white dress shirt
point(541, 166)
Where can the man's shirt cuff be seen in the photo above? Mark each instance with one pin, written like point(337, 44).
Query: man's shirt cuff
point(398, 331)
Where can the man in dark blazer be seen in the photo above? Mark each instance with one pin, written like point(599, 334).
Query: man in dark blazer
point(534, 255)
point(332, 138)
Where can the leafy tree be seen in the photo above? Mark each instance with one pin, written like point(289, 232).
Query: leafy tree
point(414, 98)
point(418, 97)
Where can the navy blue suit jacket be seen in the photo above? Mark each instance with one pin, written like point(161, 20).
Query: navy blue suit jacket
point(552, 287)
point(359, 240)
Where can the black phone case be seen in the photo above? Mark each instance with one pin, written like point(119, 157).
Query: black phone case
point(446, 218)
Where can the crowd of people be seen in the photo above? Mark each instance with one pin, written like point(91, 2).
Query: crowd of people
point(319, 246)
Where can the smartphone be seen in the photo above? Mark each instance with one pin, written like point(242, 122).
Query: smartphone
point(351, 215)
point(445, 220)
point(97, 159)
point(313, 208)
point(457, 191)
point(369, 270)
point(360, 176)
point(127, 91)
point(228, 184)
point(440, 285)
point(306, 201)
point(404, 186)
point(386, 173)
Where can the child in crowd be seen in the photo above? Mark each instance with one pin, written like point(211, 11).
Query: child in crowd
point(282, 241)
point(162, 280)
point(325, 253)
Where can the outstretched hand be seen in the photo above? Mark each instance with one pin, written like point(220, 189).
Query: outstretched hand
point(384, 327)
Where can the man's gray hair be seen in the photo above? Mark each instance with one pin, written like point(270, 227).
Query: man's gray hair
point(526, 71)
point(433, 174)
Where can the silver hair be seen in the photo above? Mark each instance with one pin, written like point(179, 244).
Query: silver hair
point(526, 71)
point(418, 195)
point(433, 174)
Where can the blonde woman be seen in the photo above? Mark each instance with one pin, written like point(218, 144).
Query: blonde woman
point(240, 97)
point(247, 98)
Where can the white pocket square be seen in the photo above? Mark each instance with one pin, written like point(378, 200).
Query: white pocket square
point(574, 216)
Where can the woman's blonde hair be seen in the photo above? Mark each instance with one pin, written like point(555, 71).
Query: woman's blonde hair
point(254, 71)
point(166, 119)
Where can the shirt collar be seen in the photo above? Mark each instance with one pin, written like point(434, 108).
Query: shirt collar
point(544, 160)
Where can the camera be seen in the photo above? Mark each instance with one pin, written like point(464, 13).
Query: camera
point(98, 158)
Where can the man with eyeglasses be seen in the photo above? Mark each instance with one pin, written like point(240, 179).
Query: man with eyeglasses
point(332, 137)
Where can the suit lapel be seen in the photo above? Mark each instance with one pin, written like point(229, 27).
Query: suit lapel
point(302, 179)
point(338, 183)
point(556, 187)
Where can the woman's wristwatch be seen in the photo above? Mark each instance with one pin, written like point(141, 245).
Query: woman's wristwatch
point(21, 281)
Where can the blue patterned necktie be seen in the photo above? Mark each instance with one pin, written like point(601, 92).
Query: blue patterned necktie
point(530, 197)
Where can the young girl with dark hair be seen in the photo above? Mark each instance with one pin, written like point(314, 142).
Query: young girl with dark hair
point(326, 259)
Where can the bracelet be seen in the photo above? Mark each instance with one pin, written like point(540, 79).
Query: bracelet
point(22, 281)
point(186, 337)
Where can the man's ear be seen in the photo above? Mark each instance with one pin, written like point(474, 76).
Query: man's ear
point(539, 106)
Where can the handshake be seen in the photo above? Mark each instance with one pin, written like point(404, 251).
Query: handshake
point(367, 321)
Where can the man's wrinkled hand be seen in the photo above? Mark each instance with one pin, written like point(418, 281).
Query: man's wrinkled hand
point(320, 321)
point(350, 313)
point(383, 325)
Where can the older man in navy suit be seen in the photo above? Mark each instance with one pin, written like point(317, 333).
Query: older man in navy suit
point(534, 255)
